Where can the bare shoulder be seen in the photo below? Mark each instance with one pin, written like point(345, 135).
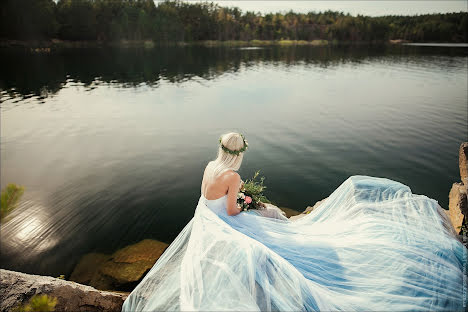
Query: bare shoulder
point(233, 176)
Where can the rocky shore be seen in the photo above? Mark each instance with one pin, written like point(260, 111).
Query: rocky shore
point(109, 278)
point(46, 46)
point(458, 203)
point(17, 288)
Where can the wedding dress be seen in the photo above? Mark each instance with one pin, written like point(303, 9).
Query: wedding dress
point(372, 245)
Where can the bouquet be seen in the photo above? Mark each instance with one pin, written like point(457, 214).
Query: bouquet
point(250, 194)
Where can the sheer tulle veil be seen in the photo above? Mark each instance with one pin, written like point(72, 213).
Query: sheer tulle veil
point(371, 245)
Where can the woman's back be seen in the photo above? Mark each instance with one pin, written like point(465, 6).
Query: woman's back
point(214, 188)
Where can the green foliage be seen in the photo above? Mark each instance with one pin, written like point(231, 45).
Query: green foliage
point(174, 21)
point(42, 303)
point(9, 198)
point(78, 20)
point(28, 19)
point(235, 152)
point(255, 188)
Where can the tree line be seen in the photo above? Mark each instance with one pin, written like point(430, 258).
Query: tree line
point(169, 21)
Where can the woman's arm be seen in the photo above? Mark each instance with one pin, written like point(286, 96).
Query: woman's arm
point(233, 189)
point(203, 179)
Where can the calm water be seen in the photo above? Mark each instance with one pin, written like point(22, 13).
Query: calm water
point(111, 144)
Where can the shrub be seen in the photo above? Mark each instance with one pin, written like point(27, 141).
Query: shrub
point(9, 198)
point(42, 303)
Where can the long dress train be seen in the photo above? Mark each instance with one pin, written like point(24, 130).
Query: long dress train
point(372, 245)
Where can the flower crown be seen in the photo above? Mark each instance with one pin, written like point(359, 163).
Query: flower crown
point(237, 152)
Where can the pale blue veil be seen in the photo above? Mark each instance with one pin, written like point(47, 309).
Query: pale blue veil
point(372, 245)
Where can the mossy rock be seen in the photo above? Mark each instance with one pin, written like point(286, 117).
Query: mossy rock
point(147, 249)
point(87, 268)
point(129, 265)
point(120, 271)
point(123, 273)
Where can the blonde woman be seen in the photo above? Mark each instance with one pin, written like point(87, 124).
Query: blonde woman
point(220, 177)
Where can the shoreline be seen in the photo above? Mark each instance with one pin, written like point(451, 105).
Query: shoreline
point(57, 43)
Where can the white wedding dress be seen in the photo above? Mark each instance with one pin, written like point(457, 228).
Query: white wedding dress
point(372, 245)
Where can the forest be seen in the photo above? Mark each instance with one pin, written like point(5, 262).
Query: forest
point(178, 21)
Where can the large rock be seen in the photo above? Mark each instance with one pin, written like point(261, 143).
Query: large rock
point(122, 270)
point(457, 205)
point(17, 288)
point(129, 264)
point(463, 162)
point(88, 267)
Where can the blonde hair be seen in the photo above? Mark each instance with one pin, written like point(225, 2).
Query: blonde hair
point(226, 161)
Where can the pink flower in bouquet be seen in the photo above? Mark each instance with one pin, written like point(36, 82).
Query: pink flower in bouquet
point(248, 199)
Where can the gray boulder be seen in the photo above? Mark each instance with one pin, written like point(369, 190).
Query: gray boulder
point(17, 288)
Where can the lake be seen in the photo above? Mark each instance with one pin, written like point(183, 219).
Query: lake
point(111, 144)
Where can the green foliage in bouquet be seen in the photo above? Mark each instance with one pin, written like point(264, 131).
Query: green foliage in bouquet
point(254, 189)
point(9, 198)
point(38, 303)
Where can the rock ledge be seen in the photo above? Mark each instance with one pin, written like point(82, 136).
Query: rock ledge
point(17, 288)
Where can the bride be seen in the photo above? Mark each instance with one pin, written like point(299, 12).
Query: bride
point(372, 245)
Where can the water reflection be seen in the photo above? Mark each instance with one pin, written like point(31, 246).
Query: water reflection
point(25, 74)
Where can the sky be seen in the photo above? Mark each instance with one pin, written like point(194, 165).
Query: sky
point(353, 7)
